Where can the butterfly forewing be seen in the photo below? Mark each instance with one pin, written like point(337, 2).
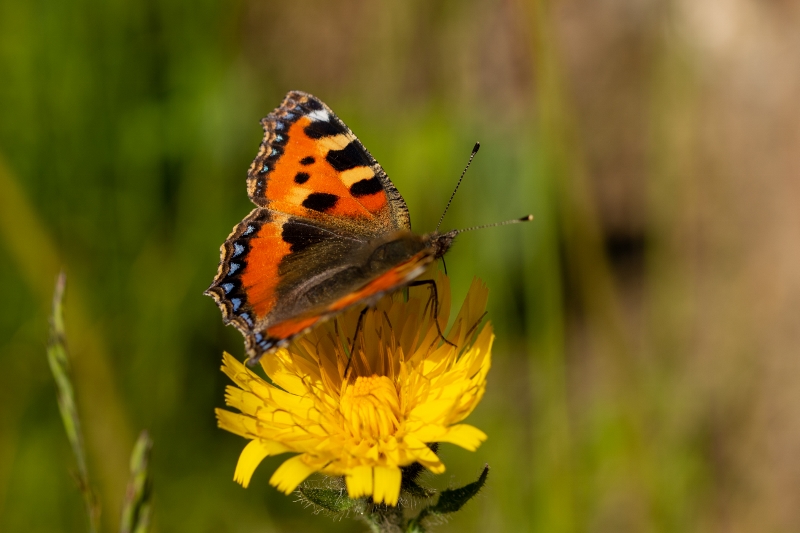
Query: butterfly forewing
point(311, 165)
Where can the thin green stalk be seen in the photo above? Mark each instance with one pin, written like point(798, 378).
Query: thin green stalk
point(58, 358)
point(137, 507)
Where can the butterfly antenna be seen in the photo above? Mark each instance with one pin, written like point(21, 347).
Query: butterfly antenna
point(471, 156)
point(527, 218)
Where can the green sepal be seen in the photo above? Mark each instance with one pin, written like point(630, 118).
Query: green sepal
point(332, 500)
point(412, 488)
point(450, 501)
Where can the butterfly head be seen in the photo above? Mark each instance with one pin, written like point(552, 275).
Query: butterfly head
point(441, 242)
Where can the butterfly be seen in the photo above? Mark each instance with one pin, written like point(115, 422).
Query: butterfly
point(330, 231)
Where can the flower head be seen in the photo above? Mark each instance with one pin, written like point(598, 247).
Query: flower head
point(367, 418)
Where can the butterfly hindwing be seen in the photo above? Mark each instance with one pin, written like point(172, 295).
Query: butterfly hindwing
point(245, 287)
point(280, 275)
point(269, 264)
point(284, 331)
point(311, 165)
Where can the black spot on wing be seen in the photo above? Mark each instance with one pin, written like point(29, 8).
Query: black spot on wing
point(366, 187)
point(300, 236)
point(320, 201)
point(301, 177)
point(308, 160)
point(351, 156)
point(319, 128)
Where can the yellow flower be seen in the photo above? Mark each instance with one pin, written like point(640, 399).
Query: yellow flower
point(405, 388)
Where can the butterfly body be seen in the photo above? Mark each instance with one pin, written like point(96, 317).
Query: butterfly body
point(330, 231)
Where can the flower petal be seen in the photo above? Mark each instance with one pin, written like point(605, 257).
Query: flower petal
point(235, 370)
point(291, 473)
point(233, 422)
point(387, 485)
point(359, 481)
point(432, 411)
point(464, 435)
point(281, 369)
point(251, 457)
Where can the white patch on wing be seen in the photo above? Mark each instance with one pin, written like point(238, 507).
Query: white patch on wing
point(320, 115)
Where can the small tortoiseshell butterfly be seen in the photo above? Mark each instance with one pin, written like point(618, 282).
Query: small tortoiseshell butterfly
point(330, 231)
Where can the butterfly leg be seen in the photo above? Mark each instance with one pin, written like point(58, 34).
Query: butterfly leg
point(435, 298)
point(475, 326)
point(359, 323)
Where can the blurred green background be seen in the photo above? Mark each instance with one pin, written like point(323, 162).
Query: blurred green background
point(646, 372)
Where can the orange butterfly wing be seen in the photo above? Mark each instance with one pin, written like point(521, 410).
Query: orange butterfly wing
point(390, 280)
point(311, 165)
point(325, 205)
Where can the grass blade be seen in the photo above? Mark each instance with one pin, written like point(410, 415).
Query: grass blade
point(58, 358)
point(137, 507)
